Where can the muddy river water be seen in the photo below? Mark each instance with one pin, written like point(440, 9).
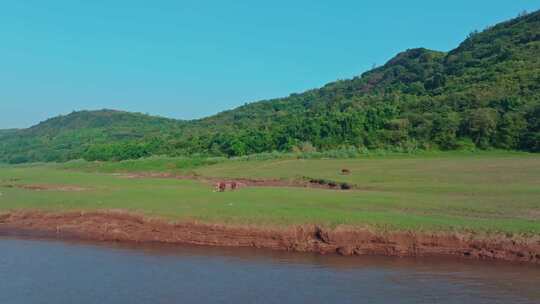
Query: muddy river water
point(45, 271)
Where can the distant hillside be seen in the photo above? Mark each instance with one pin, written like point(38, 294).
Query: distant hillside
point(7, 131)
point(483, 94)
point(68, 137)
point(117, 123)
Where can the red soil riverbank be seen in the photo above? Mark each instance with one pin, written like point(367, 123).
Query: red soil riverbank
point(120, 226)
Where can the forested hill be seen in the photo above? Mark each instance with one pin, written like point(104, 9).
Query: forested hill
point(71, 136)
point(483, 94)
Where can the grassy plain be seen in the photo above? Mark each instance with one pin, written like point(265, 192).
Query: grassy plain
point(486, 192)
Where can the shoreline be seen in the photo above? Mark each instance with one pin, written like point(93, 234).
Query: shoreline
point(119, 226)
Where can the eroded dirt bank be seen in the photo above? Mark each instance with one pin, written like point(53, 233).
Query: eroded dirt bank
point(304, 182)
point(120, 226)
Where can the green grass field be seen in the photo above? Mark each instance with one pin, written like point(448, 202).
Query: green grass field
point(488, 192)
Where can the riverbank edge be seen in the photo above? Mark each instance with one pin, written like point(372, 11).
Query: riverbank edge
point(121, 226)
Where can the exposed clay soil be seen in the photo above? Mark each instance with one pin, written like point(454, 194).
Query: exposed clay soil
point(242, 182)
point(121, 226)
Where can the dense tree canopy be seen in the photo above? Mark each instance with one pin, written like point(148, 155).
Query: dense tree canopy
point(483, 94)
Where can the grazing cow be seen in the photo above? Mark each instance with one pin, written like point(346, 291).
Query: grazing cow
point(228, 185)
point(345, 171)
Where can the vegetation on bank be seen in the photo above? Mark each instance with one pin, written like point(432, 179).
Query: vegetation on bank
point(187, 165)
point(484, 94)
point(481, 193)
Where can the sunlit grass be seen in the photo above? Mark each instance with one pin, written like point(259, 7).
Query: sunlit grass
point(492, 192)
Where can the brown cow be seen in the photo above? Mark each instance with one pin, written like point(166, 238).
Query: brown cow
point(345, 171)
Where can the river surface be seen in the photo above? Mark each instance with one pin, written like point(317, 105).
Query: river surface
point(45, 271)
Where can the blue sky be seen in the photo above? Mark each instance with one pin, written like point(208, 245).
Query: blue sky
point(189, 59)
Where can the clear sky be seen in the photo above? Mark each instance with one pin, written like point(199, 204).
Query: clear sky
point(189, 59)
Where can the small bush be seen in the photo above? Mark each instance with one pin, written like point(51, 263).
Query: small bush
point(345, 186)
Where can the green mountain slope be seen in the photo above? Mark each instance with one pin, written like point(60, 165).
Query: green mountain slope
point(484, 94)
point(69, 137)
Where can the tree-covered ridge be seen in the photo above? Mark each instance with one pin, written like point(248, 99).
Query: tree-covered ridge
point(483, 94)
point(110, 120)
point(71, 136)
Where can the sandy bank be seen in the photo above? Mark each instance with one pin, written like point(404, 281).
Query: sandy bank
point(120, 226)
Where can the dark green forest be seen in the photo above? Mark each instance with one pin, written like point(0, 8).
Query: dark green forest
point(485, 94)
